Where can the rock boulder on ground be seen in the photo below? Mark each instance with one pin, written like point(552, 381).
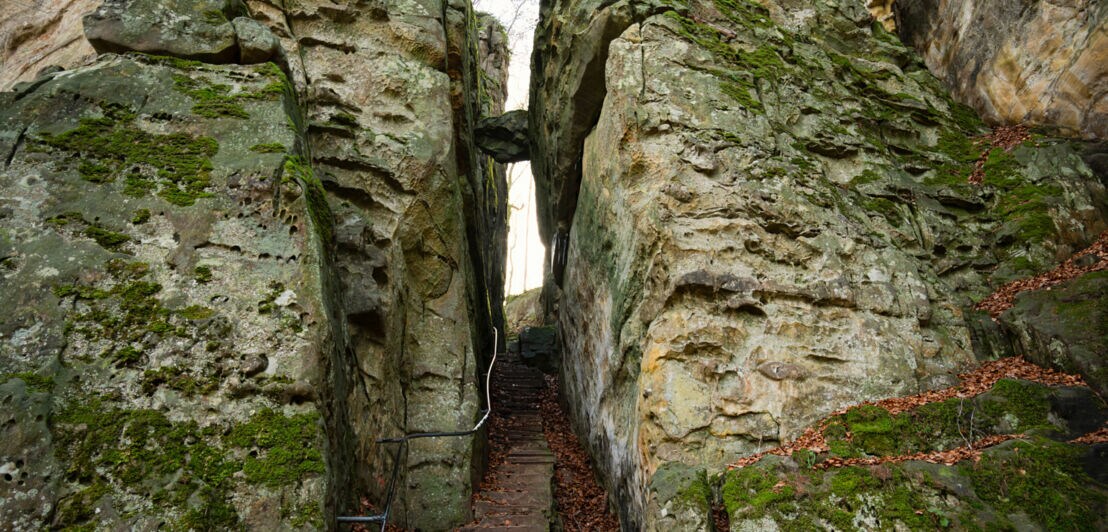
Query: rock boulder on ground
point(1065, 327)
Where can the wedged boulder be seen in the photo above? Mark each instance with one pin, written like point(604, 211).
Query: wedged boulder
point(538, 347)
point(522, 310)
point(188, 29)
point(1065, 327)
point(257, 44)
point(505, 137)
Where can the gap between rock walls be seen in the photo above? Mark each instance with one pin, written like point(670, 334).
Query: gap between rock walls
point(254, 257)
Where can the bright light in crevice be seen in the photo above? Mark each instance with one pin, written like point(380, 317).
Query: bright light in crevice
point(525, 249)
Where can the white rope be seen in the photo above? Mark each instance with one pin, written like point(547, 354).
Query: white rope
point(488, 379)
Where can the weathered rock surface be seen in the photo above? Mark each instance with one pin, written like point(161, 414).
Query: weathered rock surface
point(1039, 62)
point(34, 36)
point(392, 98)
point(164, 328)
point(773, 221)
point(504, 137)
point(567, 88)
point(1065, 328)
point(255, 42)
point(189, 29)
point(363, 238)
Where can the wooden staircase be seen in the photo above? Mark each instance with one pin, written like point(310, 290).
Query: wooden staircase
point(518, 492)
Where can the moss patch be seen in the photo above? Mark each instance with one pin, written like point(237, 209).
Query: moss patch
point(33, 381)
point(140, 451)
point(141, 216)
point(298, 170)
point(177, 165)
point(1042, 479)
point(123, 312)
point(179, 379)
point(202, 274)
point(288, 447)
point(75, 221)
point(107, 450)
point(269, 147)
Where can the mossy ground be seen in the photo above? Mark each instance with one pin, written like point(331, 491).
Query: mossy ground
point(1033, 478)
point(1011, 406)
point(1039, 478)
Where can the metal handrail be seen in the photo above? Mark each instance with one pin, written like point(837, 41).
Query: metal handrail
point(383, 517)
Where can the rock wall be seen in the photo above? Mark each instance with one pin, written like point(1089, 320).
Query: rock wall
point(247, 278)
point(39, 35)
point(772, 216)
point(1039, 62)
point(165, 328)
point(386, 93)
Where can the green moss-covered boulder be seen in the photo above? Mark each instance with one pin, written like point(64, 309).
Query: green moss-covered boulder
point(1025, 484)
point(1065, 327)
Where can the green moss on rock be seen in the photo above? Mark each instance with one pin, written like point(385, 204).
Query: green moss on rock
point(1011, 406)
point(141, 216)
point(136, 450)
point(33, 381)
point(1034, 482)
point(179, 379)
point(300, 171)
point(288, 447)
point(177, 165)
point(202, 274)
point(124, 311)
point(1042, 479)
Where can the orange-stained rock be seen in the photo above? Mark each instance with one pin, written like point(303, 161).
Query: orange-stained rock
point(1043, 64)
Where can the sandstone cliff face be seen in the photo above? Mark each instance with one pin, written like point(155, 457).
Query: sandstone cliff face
point(165, 329)
point(247, 280)
point(770, 218)
point(385, 92)
point(38, 35)
point(1040, 62)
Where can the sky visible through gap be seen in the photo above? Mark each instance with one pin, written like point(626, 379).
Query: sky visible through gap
point(525, 249)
